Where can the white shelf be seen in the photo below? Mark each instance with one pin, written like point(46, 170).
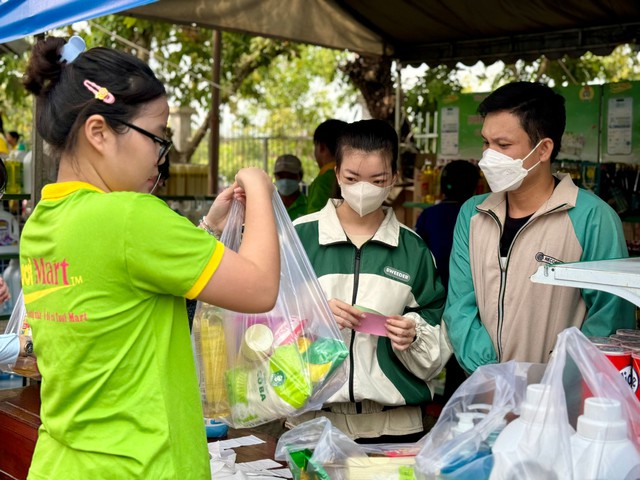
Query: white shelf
point(620, 277)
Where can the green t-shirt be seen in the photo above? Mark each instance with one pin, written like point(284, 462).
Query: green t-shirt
point(298, 207)
point(321, 189)
point(103, 276)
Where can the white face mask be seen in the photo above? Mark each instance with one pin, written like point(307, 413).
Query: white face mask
point(364, 197)
point(502, 172)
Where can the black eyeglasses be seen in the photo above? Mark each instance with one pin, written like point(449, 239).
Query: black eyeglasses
point(165, 145)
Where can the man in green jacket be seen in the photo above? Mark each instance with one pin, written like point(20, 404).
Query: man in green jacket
point(494, 313)
point(325, 141)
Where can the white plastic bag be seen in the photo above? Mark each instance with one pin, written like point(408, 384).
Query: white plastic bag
point(448, 453)
point(277, 364)
point(576, 371)
point(317, 450)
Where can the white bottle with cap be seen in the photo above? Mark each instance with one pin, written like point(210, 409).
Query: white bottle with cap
point(520, 451)
point(601, 447)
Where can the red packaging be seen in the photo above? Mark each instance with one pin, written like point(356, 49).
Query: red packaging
point(621, 359)
point(635, 373)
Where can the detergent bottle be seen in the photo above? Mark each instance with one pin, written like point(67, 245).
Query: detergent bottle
point(601, 447)
point(9, 232)
point(528, 446)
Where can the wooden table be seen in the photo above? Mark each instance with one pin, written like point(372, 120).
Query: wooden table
point(251, 453)
point(19, 422)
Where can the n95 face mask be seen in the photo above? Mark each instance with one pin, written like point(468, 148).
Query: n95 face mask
point(503, 173)
point(364, 197)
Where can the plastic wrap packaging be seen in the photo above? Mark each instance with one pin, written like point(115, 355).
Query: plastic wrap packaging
point(255, 368)
point(316, 450)
point(541, 412)
point(18, 324)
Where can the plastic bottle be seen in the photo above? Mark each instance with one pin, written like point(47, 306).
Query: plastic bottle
point(14, 164)
point(521, 450)
point(9, 232)
point(26, 172)
point(427, 178)
point(11, 277)
point(470, 461)
point(601, 448)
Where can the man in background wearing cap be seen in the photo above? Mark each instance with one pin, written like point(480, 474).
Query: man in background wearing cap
point(288, 174)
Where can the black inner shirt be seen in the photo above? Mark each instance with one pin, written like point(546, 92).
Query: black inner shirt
point(512, 225)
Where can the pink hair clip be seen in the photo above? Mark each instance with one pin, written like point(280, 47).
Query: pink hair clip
point(101, 93)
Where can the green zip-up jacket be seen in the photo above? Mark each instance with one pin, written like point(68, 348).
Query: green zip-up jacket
point(394, 274)
point(495, 313)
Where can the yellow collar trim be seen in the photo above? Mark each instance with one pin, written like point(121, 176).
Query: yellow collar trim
point(55, 191)
point(328, 166)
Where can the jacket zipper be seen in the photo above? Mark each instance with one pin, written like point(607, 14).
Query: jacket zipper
point(503, 278)
point(356, 276)
point(503, 272)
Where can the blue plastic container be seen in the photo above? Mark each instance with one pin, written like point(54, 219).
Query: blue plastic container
point(215, 428)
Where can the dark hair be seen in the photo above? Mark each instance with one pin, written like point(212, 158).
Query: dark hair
point(328, 132)
point(541, 111)
point(458, 180)
point(64, 103)
point(369, 136)
point(14, 134)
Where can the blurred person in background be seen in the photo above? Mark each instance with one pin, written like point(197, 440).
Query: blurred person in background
point(458, 182)
point(324, 186)
point(288, 174)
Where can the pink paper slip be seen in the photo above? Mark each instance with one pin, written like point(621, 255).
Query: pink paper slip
point(373, 323)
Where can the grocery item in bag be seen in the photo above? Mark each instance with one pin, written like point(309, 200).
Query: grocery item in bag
point(530, 430)
point(210, 349)
point(601, 447)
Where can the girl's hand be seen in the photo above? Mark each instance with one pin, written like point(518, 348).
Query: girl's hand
point(253, 177)
point(401, 331)
point(246, 179)
point(347, 316)
point(219, 211)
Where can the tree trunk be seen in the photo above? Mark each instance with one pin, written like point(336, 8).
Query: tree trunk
point(372, 76)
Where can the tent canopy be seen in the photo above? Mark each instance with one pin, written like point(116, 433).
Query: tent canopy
point(430, 31)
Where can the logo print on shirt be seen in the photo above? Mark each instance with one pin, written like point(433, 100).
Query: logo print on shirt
point(542, 258)
point(52, 275)
point(397, 274)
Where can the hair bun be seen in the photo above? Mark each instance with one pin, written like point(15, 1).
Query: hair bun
point(44, 68)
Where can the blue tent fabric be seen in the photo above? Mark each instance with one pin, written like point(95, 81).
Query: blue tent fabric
point(19, 18)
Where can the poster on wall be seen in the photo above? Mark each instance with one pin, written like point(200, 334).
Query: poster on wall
point(460, 126)
point(450, 128)
point(581, 139)
point(619, 122)
point(620, 141)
